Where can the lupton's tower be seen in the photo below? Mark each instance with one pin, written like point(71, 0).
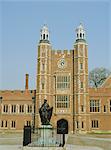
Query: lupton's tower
point(80, 78)
point(43, 70)
point(62, 79)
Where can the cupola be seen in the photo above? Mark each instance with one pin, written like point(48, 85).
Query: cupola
point(80, 33)
point(44, 34)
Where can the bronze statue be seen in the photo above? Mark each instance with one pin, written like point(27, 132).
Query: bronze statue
point(45, 113)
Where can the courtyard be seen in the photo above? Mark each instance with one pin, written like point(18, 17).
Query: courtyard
point(13, 141)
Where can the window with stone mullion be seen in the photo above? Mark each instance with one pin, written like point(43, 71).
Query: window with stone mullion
point(62, 101)
point(95, 124)
point(63, 82)
point(5, 108)
point(94, 106)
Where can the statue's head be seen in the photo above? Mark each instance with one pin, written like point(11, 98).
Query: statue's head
point(45, 100)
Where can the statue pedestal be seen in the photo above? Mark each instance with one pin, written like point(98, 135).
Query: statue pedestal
point(46, 135)
point(45, 138)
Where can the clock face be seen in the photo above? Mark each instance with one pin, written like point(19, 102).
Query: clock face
point(61, 63)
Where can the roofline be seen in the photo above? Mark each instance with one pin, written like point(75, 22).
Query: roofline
point(105, 81)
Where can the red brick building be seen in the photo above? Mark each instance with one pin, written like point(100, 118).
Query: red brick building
point(62, 79)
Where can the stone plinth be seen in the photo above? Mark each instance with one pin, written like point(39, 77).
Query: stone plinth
point(45, 139)
point(42, 148)
point(45, 136)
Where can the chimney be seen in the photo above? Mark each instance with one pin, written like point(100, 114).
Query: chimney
point(26, 81)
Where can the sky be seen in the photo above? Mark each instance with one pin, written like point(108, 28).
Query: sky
point(20, 24)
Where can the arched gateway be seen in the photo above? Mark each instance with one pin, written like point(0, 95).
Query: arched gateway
point(62, 126)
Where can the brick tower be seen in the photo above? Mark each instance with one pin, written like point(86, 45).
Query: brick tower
point(62, 79)
point(43, 71)
point(80, 79)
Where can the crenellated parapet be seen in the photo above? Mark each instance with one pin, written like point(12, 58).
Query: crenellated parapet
point(62, 52)
point(16, 92)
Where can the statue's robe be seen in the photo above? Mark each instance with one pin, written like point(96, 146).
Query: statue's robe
point(45, 114)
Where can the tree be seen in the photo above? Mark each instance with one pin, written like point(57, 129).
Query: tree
point(97, 76)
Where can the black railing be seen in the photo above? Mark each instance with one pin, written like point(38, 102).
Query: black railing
point(39, 137)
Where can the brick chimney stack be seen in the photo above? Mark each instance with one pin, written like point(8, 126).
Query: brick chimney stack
point(26, 81)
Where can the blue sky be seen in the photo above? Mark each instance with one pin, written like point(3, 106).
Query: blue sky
point(20, 24)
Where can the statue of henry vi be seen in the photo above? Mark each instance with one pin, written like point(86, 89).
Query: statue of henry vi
point(45, 113)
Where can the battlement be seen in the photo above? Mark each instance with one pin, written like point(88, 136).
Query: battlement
point(61, 52)
point(14, 95)
point(16, 92)
point(99, 92)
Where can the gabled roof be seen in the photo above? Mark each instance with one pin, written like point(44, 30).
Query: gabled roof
point(107, 83)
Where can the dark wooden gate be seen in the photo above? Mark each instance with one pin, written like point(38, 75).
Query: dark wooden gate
point(62, 126)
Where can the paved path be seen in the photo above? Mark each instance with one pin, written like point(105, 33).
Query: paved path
point(74, 142)
point(95, 138)
point(77, 147)
point(68, 147)
point(10, 147)
point(87, 142)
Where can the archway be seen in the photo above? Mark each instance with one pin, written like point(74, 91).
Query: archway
point(62, 126)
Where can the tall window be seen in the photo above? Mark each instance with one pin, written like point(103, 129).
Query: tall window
point(81, 85)
point(28, 123)
point(63, 82)
point(82, 124)
point(13, 124)
point(81, 65)
point(77, 35)
point(5, 108)
point(110, 105)
point(13, 109)
point(21, 108)
point(94, 105)
point(6, 124)
point(29, 109)
point(62, 101)
point(2, 123)
point(104, 108)
point(43, 36)
point(82, 108)
point(81, 35)
point(95, 124)
point(47, 36)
